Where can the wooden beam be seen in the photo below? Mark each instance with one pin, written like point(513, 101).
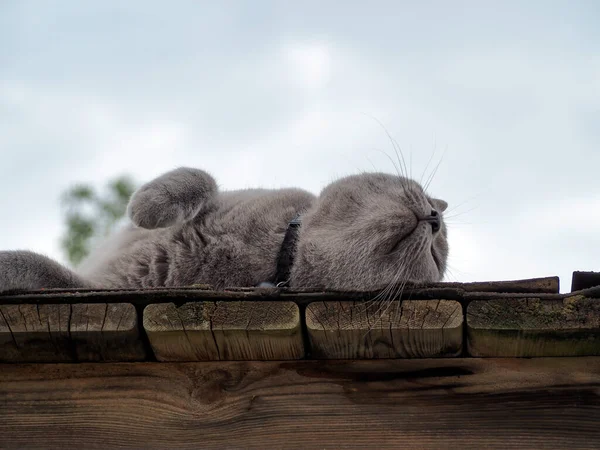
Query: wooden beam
point(532, 327)
point(387, 404)
point(549, 285)
point(209, 331)
point(584, 280)
point(407, 329)
point(54, 333)
point(142, 297)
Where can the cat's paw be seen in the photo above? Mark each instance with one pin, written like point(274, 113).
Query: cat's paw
point(152, 208)
point(172, 198)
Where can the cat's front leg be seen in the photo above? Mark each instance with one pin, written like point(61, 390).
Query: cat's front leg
point(174, 197)
point(25, 270)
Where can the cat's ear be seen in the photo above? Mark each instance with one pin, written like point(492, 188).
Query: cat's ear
point(439, 205)
point(174, 197)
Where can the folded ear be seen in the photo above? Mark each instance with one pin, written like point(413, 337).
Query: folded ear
point(439, 204)
point(174, 197)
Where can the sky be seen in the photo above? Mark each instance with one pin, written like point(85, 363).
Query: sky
point(497, 102)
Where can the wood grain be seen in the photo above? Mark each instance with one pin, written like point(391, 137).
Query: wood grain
point(213, 331)
point(32, 333)
point(422, 404)
point(106, 332)
point(550, 285)
point(407, 329)
point(143, 297)
point(532, 327)
point(55, 333)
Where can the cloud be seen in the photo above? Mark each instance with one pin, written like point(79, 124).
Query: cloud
point(260, 95)
point(309, 64)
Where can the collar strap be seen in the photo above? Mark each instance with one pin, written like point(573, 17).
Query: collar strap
point(285, 260)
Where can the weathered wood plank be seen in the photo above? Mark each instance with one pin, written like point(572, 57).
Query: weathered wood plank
point(407, 329)
point(388, 404)
point(445, 290)
point(584, 280)
point(532, 327)
point(209, 331)
point(106, 332)
point(549, 285)
point(32, 333)
point(54, 333)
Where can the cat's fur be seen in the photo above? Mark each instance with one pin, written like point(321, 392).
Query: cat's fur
point(362, 232)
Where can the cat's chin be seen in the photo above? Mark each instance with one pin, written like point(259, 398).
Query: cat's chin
point(431, 270)
point(438, 265)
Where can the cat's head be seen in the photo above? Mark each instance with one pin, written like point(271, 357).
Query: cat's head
point(371, 230)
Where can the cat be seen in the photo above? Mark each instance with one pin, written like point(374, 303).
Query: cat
point(362, 232)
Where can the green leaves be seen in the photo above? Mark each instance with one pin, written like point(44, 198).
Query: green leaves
point(90, 216)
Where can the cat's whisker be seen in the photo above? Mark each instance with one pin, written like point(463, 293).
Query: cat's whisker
point(399, 154)
point(455, 270)
point(451, 273)
point(460, 224)
point(410, 163)
point(396, 168)
point(372, 164)
point(461, 213)
point(403, 171)
point(385, 294)
point(381, 304)
point(458, 214)
point(400, 157)
point(469, 199)
point(406, 275)
point(387, 301)
point(398, 300)
point(399, 282)
point(404, 182)
point(381, 296)
point(434, 172)
point(429, 161)
point(456, 220)
point(393, 142)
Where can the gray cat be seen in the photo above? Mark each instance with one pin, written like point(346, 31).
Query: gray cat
point(362, 232)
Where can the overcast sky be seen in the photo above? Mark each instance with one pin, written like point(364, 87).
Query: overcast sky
point(278, 93)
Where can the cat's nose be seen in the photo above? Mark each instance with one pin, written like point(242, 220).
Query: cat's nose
point(435, 220)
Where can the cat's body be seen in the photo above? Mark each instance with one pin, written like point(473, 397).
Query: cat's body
point(362, 232)
point(231, 244)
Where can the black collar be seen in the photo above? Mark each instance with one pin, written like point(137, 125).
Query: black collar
point(287, 252)
point(285, 260)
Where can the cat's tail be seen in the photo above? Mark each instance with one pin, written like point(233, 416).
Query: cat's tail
point(25, 270)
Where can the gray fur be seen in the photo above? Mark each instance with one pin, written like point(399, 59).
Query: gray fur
point(172, 198)
point(24, 270)
point(363, 231)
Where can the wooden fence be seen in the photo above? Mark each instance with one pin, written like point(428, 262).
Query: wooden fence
point(495, 364)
